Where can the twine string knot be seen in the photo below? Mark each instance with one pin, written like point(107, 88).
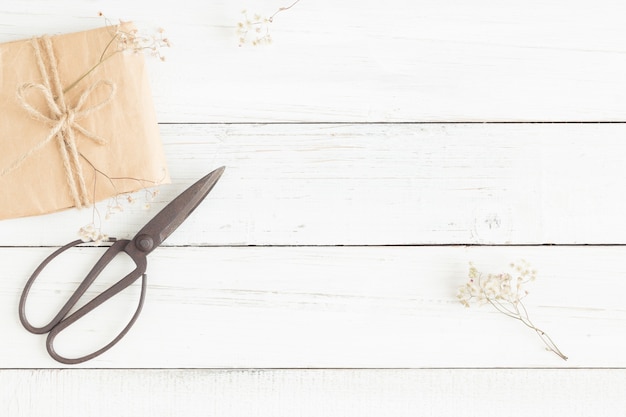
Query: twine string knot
point(63, 120)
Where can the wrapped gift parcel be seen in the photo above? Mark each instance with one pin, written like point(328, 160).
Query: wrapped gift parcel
point(77, 121)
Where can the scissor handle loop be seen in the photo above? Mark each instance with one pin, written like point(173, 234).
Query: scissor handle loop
point(28, 286)
point(61, 321)
point(86, 309)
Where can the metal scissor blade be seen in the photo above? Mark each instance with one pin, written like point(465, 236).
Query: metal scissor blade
point(174, 214)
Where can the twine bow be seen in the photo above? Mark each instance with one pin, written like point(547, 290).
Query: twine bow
point(61, 118)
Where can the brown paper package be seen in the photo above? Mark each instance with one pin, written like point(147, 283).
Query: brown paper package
point(113, 102)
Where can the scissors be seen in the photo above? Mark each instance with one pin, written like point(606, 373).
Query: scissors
point(147, 239)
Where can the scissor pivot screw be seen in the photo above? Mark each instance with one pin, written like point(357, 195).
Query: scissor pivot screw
point(144, 243)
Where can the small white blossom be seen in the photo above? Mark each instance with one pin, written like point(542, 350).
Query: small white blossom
point(505, 292)
point(135, 42)
point(90, 233)
point(254, 31)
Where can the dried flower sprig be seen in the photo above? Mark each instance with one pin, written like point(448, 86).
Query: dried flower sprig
point(505, 293)
point(255, 30)
point(116, 203)
point(136, 42)
point(94, 233)
point(122, 41)
point(91, 233)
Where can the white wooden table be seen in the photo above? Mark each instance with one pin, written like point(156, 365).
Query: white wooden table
point(372, 152)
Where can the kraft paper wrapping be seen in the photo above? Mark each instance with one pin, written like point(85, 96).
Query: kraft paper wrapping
point(110, 114)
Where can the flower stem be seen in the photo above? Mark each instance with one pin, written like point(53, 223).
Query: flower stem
point(547, 340)
point(102, 59)
point(282, 9)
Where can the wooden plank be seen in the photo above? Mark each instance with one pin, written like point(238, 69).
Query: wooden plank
point(441, 61)
point(328, 307)
point(320, 184)
point(380, 184)
point(278, 393)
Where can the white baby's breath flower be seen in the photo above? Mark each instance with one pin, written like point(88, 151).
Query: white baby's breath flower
point(89, 233)
point(135, 42)
point(86, 232)
point(253, 30)
point(505, 293)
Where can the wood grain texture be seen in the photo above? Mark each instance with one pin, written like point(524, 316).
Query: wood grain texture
point(311, 184)
point(351, 307)
point(304, 393)
point(324, 138)
point(356, 61)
